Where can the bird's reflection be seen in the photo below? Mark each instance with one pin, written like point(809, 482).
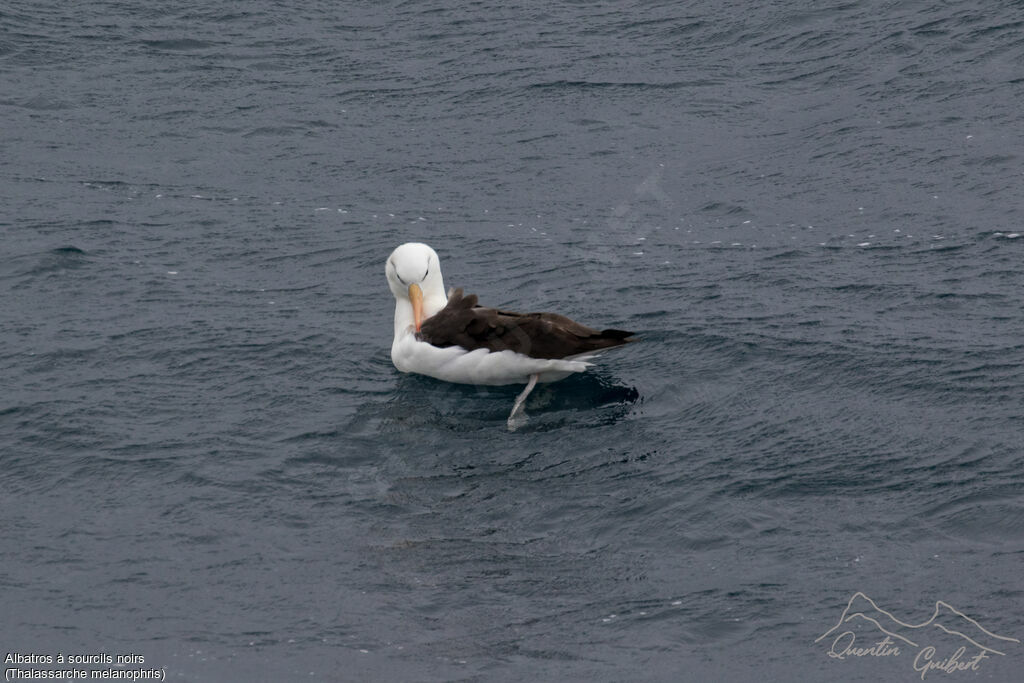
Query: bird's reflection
point(586, 398)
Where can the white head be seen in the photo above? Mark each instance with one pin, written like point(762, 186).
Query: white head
point(414, 276)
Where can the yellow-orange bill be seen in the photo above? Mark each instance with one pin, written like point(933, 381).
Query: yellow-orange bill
point(416, 297)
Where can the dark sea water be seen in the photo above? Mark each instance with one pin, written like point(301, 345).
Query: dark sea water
point(810, 212)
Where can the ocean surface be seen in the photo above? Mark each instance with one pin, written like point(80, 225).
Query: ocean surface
point(811, 213)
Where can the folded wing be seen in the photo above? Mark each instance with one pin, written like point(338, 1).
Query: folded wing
point(462, 322)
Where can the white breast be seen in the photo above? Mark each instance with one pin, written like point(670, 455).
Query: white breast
point(456, 364)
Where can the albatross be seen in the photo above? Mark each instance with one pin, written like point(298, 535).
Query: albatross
point(452, 338)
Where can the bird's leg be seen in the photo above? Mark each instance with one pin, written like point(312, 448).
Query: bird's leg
point(517, 418)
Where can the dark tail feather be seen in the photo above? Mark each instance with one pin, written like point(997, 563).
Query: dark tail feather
point(617, 334)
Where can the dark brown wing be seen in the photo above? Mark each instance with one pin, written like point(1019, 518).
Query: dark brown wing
point(539, 335)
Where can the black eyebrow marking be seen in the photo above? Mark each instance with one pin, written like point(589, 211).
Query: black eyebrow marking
point(395, 268)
